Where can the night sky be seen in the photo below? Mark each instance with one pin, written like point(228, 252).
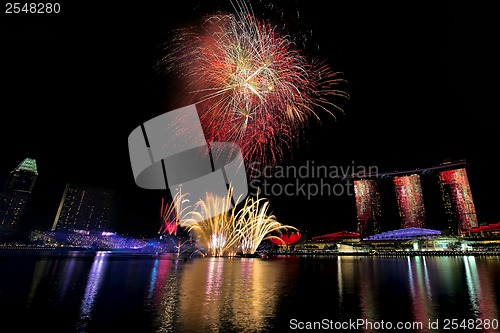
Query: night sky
point(420, 77)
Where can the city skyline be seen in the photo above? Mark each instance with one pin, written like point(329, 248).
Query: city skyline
point(89, 208)
point(418, 96)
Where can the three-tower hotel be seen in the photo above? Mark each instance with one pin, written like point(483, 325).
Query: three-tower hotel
point(457, 205)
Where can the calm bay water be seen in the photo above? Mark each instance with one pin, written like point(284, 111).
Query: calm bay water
point(109, 292)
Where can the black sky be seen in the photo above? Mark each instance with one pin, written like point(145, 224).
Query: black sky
point(420, 75)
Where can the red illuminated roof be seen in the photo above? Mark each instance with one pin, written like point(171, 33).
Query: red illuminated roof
point(336, 236)
point(485, 228)
point(286, 239)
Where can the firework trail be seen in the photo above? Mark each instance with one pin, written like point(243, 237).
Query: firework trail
point(173, 213)
point(252, 85)
point(216, 231)
point(256, 224)
point(170, 220)
point(239, 230)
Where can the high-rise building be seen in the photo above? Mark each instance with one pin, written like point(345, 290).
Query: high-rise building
point(457, 200)
point(410, 201)
point(367, 206)
point(84, 208)
point(16, 194)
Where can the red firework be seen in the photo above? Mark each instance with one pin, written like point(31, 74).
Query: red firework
point(170, 218)
point(252, 86)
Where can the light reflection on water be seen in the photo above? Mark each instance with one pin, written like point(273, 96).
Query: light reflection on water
point(481, 293)
point(368, 291)
point(94, 281)
point(164, 294)
point(240, 294)
point(420, 291)
point(105, 291)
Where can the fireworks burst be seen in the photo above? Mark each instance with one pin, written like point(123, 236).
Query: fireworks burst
point(217, 232)
point(252, 85)
point(173, 213)
point(169, 217)
point(256, 224)
point(238, 230)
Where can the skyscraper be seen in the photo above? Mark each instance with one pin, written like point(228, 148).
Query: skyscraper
point(16, 194)
point(84, 208)
point(410, 201)
point(457, 199)
point(367, 206)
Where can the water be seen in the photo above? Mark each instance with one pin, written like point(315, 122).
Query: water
point(109, 292)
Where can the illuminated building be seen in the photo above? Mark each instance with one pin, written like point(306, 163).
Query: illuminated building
point(404, 234)
point(410, 201)
point(83, 208)
point(457, 199)
point(16, 194)
point(367, 206)
point(286, 240)
point(490, 230)
point(336, 236)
